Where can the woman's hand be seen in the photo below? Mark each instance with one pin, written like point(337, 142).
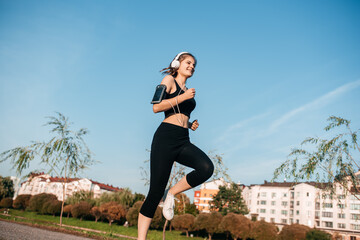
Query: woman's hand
point(194, 125)
point(189, 94)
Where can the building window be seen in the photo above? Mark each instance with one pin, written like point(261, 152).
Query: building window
point(341, 215)
point(297, 221)
point(263, 194)
point(341, 196)
point(297, 203)
point(317, 206)
point(354, 197)
point(355, 226)
point(355, 216)
point(262, 210)
point(341, 205)
point(354, 206)
point(204, 194)
point(308, 194)
point(328, 224)
point(273, 195)
point(272, 211)
point(284, 194)
point(284, 221)
point(291, 221)
point(283, 203)
point(352, 238)
point(263, 202)
point(327, 214)
point(297, 212)
point(272, 220)
point(273, 203)
point(341, 225)
point(327, 205)
point(317, 223)
point(284, 212)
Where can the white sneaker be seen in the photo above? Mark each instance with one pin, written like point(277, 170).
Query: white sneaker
point(168, 207)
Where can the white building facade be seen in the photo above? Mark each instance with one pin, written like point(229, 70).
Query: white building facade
point(44, 183)
point(305, 203)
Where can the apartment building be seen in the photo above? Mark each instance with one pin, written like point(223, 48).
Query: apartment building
point(307, 203)
point(44, 183)
point(207, 190)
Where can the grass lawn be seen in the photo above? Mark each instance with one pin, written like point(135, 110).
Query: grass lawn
point(46, 220)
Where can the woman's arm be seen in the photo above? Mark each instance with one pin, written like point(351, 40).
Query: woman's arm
point(165, 105)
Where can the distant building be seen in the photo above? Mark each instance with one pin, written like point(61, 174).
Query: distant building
point(44, 183)
point(207, 190)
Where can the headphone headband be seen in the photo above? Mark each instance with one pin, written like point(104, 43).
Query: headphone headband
point(175, 63)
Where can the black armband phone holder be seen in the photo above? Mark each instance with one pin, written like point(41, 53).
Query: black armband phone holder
point(159, 94)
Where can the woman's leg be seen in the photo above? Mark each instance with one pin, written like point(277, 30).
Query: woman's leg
point(143, 226)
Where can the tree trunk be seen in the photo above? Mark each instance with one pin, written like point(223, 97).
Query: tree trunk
point(164, 228)
point(209, 236)
point(62, 204)
point(110, 222)
point(187, 233)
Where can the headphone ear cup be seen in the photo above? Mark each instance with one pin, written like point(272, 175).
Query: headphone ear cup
point(175, 64)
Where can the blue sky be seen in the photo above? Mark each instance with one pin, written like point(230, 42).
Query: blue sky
point(269, 74)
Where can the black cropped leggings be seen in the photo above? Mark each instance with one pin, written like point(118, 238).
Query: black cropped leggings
point(171, 143)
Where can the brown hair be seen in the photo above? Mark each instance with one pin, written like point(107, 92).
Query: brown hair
point(173, 71)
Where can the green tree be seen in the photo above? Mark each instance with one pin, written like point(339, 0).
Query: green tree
point(67, 210)
point(229, 199)
point(37, 201)
point(123, 197)
point(315, 234)
point(81, 196)
point(333, 160)
point(6, 187)
point(66, 153)
point(113, 211)
point(95, 211)
point(81, 210)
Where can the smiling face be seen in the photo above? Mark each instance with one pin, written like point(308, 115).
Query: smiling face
point(187, 66)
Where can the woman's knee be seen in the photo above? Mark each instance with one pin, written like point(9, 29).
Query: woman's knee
point(207, 169)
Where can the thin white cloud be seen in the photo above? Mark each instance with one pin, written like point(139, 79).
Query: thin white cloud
point(319, 102)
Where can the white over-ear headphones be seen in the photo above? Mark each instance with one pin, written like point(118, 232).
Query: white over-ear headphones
point(175, 63)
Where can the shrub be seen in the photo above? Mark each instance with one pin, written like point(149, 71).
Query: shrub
point(37, 202)
point(183, 222)
point(81, 210)
point(22, 201)
point(237, 225)
point(262, 230)
point(315, 234)
point(67, 210)
point(52, 207)
point(209, 222)
point(6, 202)
point(113, 211)
point(95, 211)
point(133, 213)
point(294, 232)
point(158, 220)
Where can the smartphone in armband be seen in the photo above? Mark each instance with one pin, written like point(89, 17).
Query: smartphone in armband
point(159, 93)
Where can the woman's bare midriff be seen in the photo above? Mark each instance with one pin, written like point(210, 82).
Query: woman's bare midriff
point(174, 119)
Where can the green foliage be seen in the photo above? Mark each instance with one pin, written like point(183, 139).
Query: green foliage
point(138, 197)
point(81, 196)
point(315, 234)
point(95, 211)
point(22, 201)
point(333, 160)
point(37, 201)
point(123, 197)
point(293, 232)
point(229, 199)
point(81, 210)
point(67, 210)
point(6, 202)
point(191, 209)
point(261, 230)
point(52, 207)
point(6, 187)
point(133, 213)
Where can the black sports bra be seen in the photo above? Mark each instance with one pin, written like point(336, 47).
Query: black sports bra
point(185, 107)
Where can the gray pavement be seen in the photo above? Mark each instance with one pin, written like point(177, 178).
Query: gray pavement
point(10, 231)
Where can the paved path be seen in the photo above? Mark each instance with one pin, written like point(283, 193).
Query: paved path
point(10, 231)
